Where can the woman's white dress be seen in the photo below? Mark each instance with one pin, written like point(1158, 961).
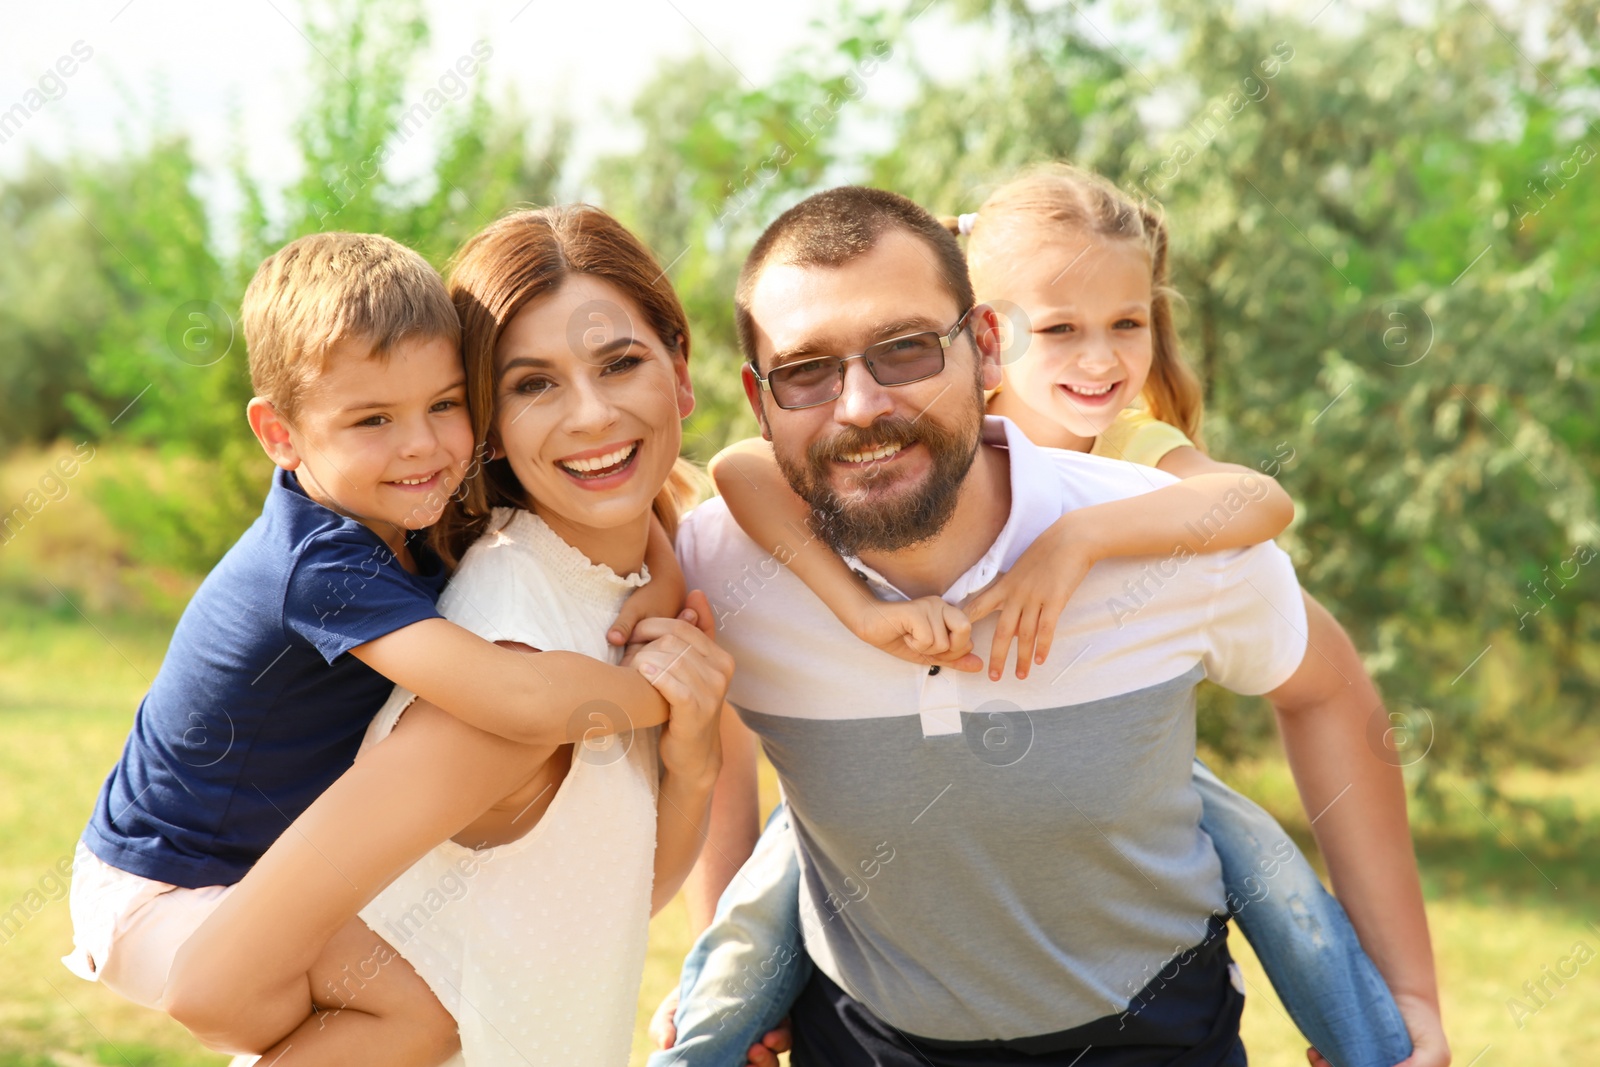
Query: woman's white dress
point(537, 947)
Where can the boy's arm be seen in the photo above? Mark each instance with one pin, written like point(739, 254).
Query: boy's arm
point(1356, 799)
point(766, 509)
point(536, 698)
point(662, 597)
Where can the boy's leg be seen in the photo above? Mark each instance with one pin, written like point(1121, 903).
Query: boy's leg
point(1301, 934)
point(372, 1008)
point(745, 971)
point(405, 795)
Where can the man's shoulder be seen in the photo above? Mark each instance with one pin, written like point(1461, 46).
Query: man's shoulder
point(1085, 479)
point(710, 533)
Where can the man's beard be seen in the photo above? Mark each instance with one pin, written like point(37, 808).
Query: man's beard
point(866, 522)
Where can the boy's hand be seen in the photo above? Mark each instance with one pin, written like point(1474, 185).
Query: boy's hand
point(1030, 598)
point(924, 631)
point(692, 672)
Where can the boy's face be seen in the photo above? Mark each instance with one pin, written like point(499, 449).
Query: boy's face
point(384, 442)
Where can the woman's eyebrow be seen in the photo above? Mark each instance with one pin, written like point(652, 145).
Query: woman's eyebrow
point(616, 344)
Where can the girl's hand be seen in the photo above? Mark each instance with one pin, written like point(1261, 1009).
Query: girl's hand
point(1030, 598)
point(925, 631)
point(692, 672)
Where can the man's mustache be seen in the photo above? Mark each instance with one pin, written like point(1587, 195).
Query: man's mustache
point(886, 433)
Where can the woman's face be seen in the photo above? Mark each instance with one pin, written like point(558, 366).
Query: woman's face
point(1083, 348)
point(588, 405)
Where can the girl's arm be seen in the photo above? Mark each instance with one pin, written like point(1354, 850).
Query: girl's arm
point(925, 631)
point(662, 597)
point(530, 698)
point(1217, 506)
point(748, 478)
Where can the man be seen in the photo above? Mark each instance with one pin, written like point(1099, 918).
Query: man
point(1049, 899)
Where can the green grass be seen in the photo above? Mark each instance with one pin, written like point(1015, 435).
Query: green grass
point(1505, 899)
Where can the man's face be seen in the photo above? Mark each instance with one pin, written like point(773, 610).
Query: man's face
point(881, 466)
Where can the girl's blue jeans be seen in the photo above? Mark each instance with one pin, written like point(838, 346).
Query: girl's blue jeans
point(747, 968)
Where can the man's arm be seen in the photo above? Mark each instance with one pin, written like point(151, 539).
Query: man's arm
point(1357, 802)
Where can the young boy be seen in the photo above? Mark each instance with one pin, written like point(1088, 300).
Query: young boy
point(299, 634)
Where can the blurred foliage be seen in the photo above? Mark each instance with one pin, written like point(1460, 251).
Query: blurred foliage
point(1383, 225)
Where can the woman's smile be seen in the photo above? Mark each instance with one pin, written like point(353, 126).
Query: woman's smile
point(604, 467)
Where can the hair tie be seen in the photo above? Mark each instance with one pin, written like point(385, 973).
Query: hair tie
point(964, 223)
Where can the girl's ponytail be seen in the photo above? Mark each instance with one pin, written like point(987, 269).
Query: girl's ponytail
point(1172, 391)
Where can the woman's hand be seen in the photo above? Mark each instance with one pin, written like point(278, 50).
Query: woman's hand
point(1031, 596)
point(925, 631)
point(684, 663)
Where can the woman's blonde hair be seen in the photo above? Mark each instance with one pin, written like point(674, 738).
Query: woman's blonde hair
point(1084, 202)
point(498, 272)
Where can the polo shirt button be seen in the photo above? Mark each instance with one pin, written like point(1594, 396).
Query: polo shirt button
point(933, 670)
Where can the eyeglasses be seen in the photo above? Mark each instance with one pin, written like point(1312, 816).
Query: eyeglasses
point(898, 361)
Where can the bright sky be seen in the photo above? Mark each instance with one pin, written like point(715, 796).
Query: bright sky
point(195, 65)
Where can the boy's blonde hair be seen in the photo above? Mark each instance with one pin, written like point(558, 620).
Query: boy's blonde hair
point(1083, 202)
point(327, 288)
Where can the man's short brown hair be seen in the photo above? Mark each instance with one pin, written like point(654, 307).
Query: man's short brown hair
point(830, 229)
point(327, 288)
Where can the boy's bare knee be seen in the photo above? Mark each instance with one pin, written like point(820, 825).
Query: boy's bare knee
point(209, 1007)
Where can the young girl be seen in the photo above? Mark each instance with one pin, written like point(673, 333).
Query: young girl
point(1092, 365)
point(529, 924)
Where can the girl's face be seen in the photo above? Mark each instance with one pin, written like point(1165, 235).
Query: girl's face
point(1082, 348)
point(588, 403)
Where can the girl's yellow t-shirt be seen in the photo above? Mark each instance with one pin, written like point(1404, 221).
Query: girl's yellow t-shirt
point(1139, 437)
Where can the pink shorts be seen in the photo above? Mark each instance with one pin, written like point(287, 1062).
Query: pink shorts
point(127, 929)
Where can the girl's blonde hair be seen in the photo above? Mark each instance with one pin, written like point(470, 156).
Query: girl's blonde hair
point(497, 273)
point(1084, 202)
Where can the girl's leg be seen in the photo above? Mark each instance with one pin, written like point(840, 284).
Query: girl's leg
point(745, 971)
point(372, 1008)
point(417, 788)
point(1301, 934)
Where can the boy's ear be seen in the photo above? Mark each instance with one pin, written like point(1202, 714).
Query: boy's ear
point(272, 432)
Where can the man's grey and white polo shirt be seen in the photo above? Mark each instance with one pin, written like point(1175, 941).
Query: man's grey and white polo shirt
point(992, 860)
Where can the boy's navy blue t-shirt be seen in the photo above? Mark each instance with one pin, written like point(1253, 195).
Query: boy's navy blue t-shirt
point(258, 708)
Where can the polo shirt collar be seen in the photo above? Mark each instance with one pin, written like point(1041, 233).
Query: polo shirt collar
point(1036, 503)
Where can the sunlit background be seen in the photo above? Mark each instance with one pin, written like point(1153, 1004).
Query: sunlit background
point(1388, 249)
